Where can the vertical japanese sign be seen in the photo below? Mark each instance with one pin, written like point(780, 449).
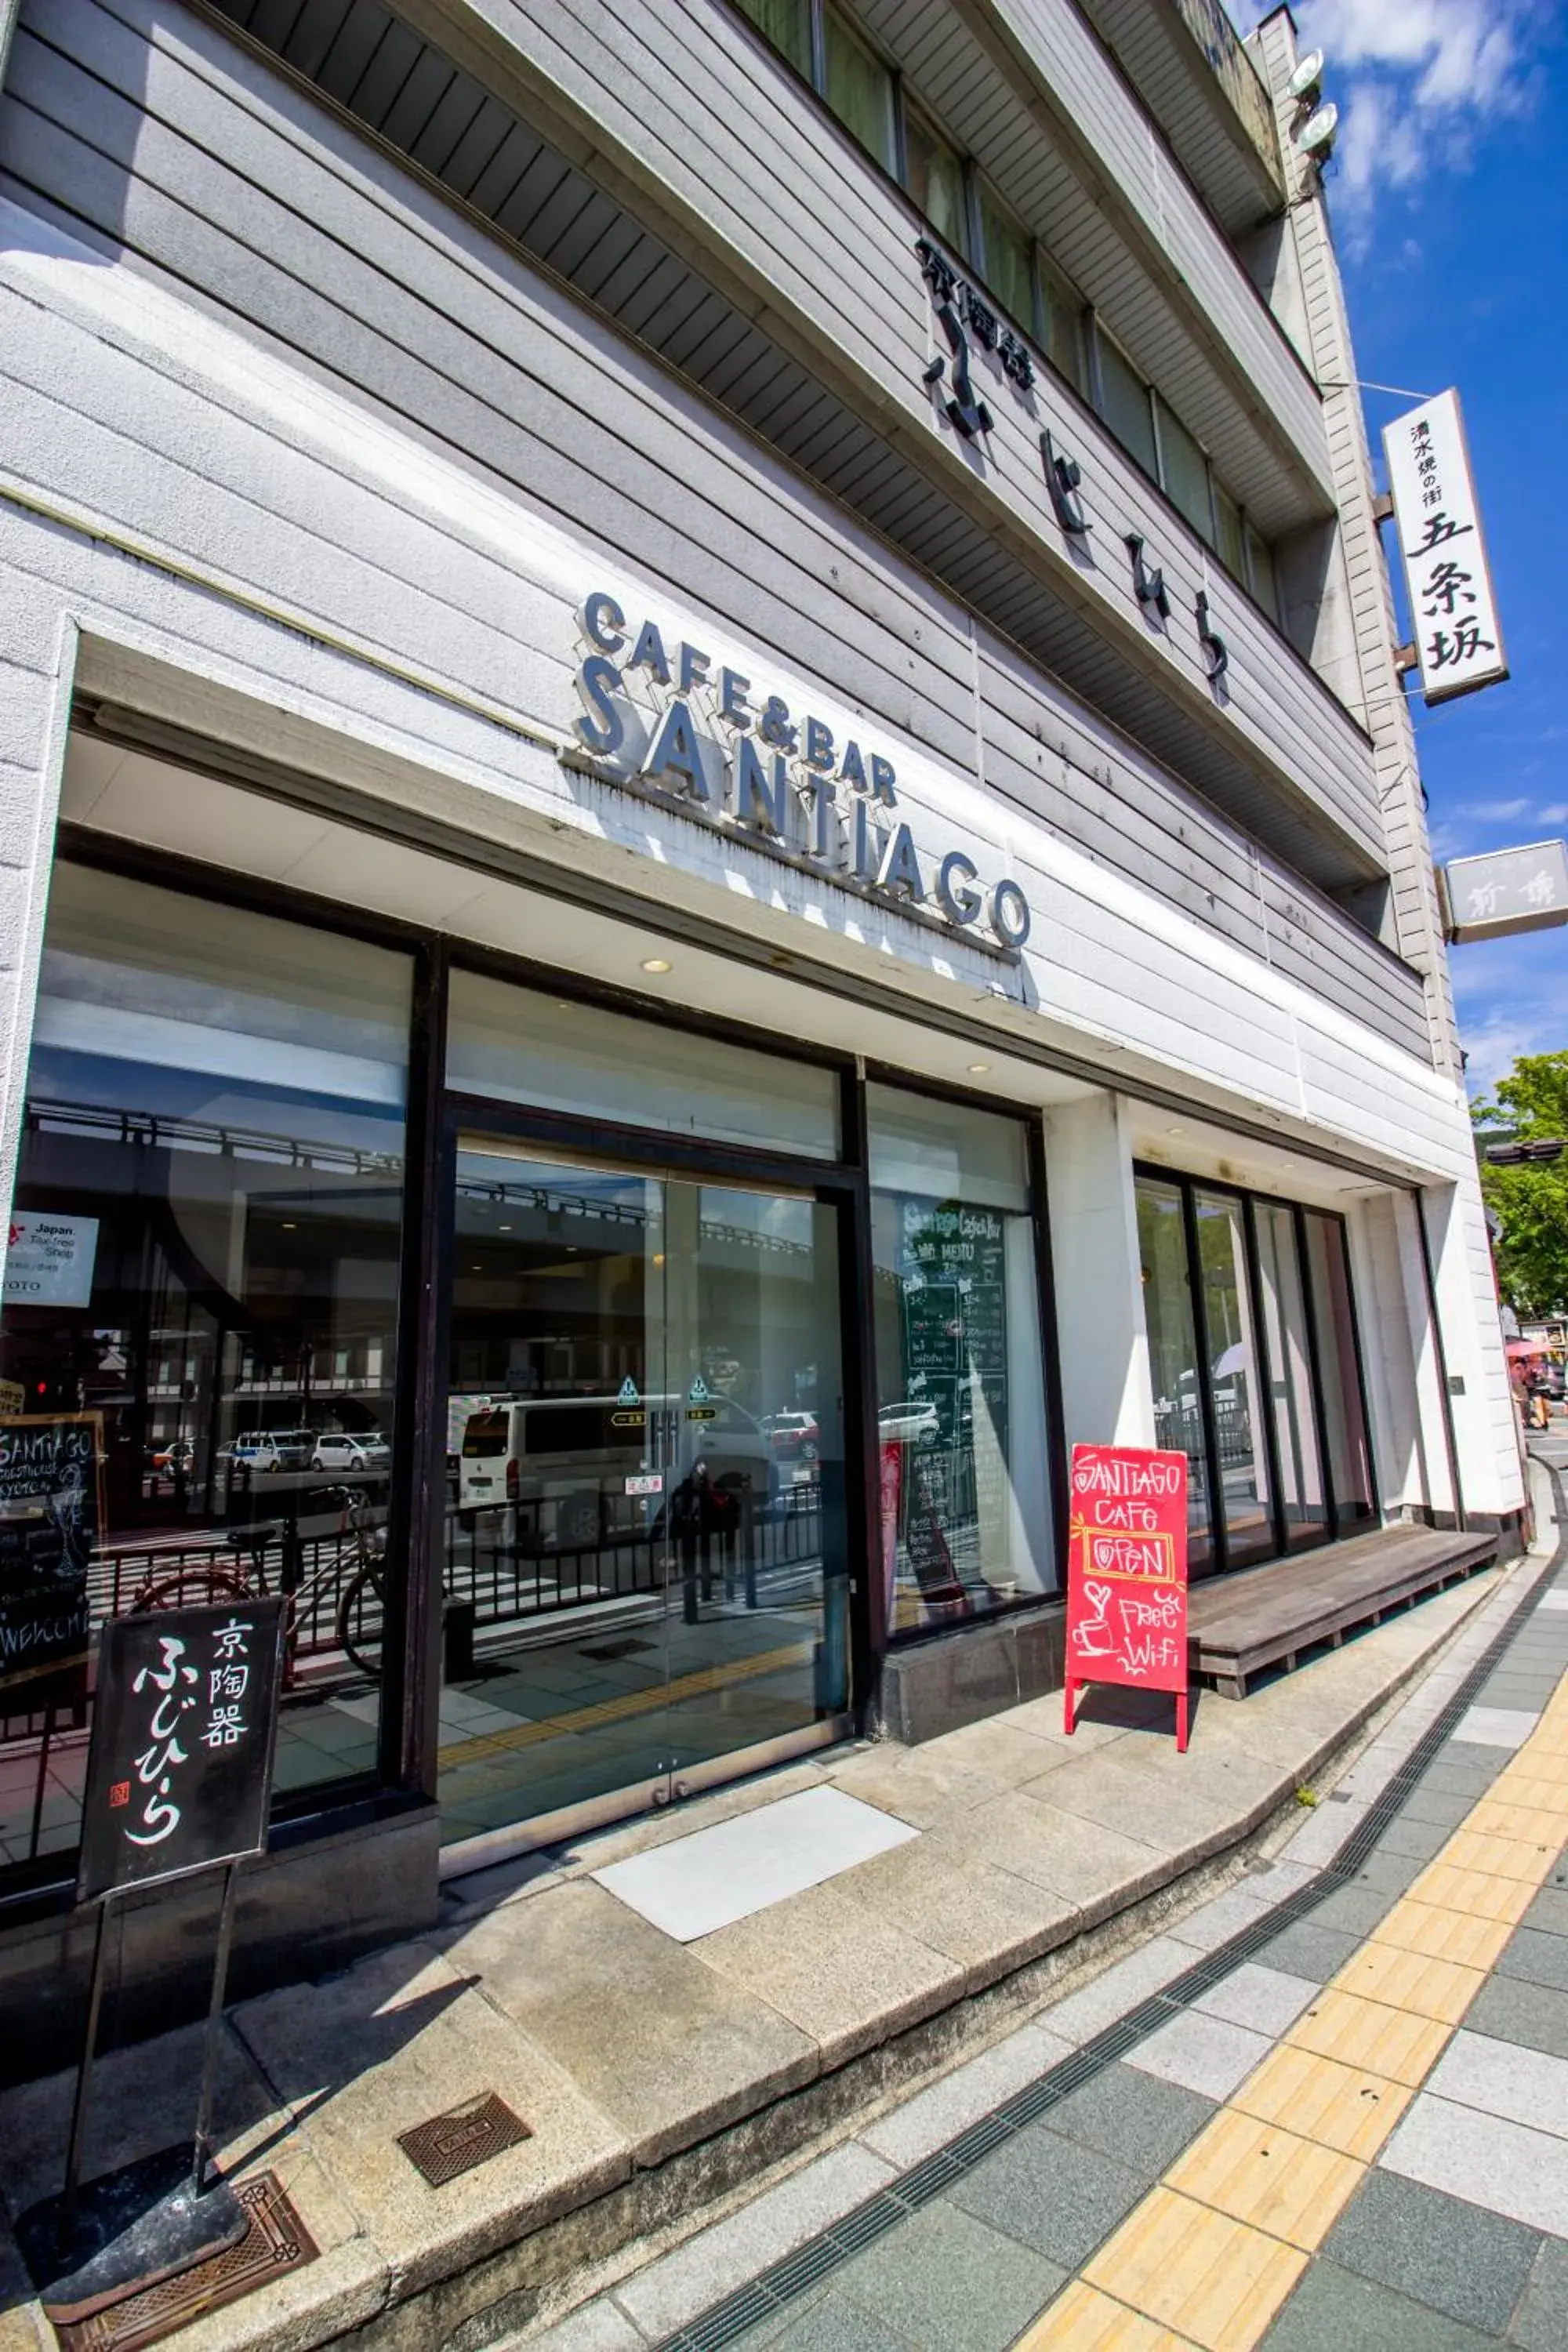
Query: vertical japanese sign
point(1453, 610)
point(180, 1771)
point(51, 1522)
point(1127, 1573)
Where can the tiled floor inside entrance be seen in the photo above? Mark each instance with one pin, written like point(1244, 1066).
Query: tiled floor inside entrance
point(1328, 2122)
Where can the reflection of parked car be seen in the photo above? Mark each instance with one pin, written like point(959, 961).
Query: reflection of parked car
point(568, 1461)
point(174, 1461)
point(272, 1449)
point(793, 1436)
point(913, 1423)
point(341, 1449)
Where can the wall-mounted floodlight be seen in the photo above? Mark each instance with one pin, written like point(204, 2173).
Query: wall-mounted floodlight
point(1308, 77)
point(1318, 133)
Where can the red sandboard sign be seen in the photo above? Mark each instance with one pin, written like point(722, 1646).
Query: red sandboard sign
point(1127, 1573)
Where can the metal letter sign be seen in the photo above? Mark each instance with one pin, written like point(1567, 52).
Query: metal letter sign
point(1452, 608)
point(179, 1768)
point(1507, 890)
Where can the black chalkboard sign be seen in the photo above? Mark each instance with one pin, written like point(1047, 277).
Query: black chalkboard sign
point(51, 1522)
point(179, 1771)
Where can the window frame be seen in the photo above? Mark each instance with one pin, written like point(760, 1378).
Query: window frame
point(1335, 1531)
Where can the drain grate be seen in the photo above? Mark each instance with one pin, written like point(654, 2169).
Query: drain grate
point(276, 2242)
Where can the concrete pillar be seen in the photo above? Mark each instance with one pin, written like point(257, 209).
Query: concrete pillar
point(1474, 1356)
point(1101, 1335)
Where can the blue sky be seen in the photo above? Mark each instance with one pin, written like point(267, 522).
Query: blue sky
point(1446, 193)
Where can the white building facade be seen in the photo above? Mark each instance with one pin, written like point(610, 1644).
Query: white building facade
point(709, 836)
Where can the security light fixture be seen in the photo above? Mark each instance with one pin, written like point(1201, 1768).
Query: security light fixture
point(655, 963)
point(1307, 80)
point(1318, 133)
point(978, 1069)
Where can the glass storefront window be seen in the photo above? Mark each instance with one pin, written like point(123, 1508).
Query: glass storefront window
point(1234, 1384)
point(213, 1150)
point(1174, 1353)
point(1344, 1419)
point(516, 1044)
point(1284, 1409)
point(1289, 1349)
point(934, 173)
point(959, 1383)
point(1062, 326)
point(858, 88)
point(646, 1532)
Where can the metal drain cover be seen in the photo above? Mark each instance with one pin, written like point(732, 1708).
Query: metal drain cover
point(466, 2136)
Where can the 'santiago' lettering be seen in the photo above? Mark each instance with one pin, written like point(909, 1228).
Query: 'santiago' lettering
point(662, 717)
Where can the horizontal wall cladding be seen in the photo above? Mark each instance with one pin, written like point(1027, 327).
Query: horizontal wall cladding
point(1132, 816)
point(1143, 249)
point(269, 471)
point(193, 156)
point(459, 342)
point(1180, 89)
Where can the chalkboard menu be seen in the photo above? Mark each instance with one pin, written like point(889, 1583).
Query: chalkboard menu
point(51, 1523)
point(180, 1770)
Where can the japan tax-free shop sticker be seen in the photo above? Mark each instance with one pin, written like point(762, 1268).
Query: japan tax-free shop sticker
point(184, 1721)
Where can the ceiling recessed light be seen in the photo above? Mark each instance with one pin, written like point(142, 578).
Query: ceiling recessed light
point(1174, 1131)
point(289, 1226)
point(506, 1229)
point(475, 1269)
point(978, 1069)
point(659, 1257)
point(655, 963)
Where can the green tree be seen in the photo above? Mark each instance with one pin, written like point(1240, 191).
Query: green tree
point(1531, 1200)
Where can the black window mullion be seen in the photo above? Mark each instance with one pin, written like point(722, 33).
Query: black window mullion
point(856, 1291)
point(1219, 1533)
point(1266, 1373)
point(417, 1499)
point(1050, 1352)
point(1372, 1493)
point(1315, 1360)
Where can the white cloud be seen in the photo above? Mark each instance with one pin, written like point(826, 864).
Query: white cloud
point(1495, 1040)
point(1493, 812)
point(1415, 81)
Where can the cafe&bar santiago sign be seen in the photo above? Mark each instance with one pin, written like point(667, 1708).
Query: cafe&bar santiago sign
point(663, 716)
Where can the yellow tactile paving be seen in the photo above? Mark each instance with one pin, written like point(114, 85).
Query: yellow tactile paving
point(1211, 2255)
point(1083, 2320)
point(1213, 2280)
point(1369, 2033)
point(1343, 2108)
point(1509, 1818)
point(1459, 1935)
point(1484, 1896)
point(1261, 2173)
point(1412, 1981)
point(1500, 1857)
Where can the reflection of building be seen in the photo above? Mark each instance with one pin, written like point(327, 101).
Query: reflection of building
point(737, 849)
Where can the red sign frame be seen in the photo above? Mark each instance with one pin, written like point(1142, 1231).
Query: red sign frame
point(1126, 1574)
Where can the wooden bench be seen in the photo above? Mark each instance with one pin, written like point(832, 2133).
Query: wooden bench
point(1267, 1616)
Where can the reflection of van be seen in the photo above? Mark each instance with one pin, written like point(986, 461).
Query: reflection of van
point(563, 1463)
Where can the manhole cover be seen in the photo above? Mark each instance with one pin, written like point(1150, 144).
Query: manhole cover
point(462, 2137)
point(276, 2241)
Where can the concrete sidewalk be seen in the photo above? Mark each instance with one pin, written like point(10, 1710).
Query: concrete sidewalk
point(1343, 2128)
point(659, 2078)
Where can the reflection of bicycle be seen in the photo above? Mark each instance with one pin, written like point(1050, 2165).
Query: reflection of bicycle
point(362, 1554)
point(365, 1584)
